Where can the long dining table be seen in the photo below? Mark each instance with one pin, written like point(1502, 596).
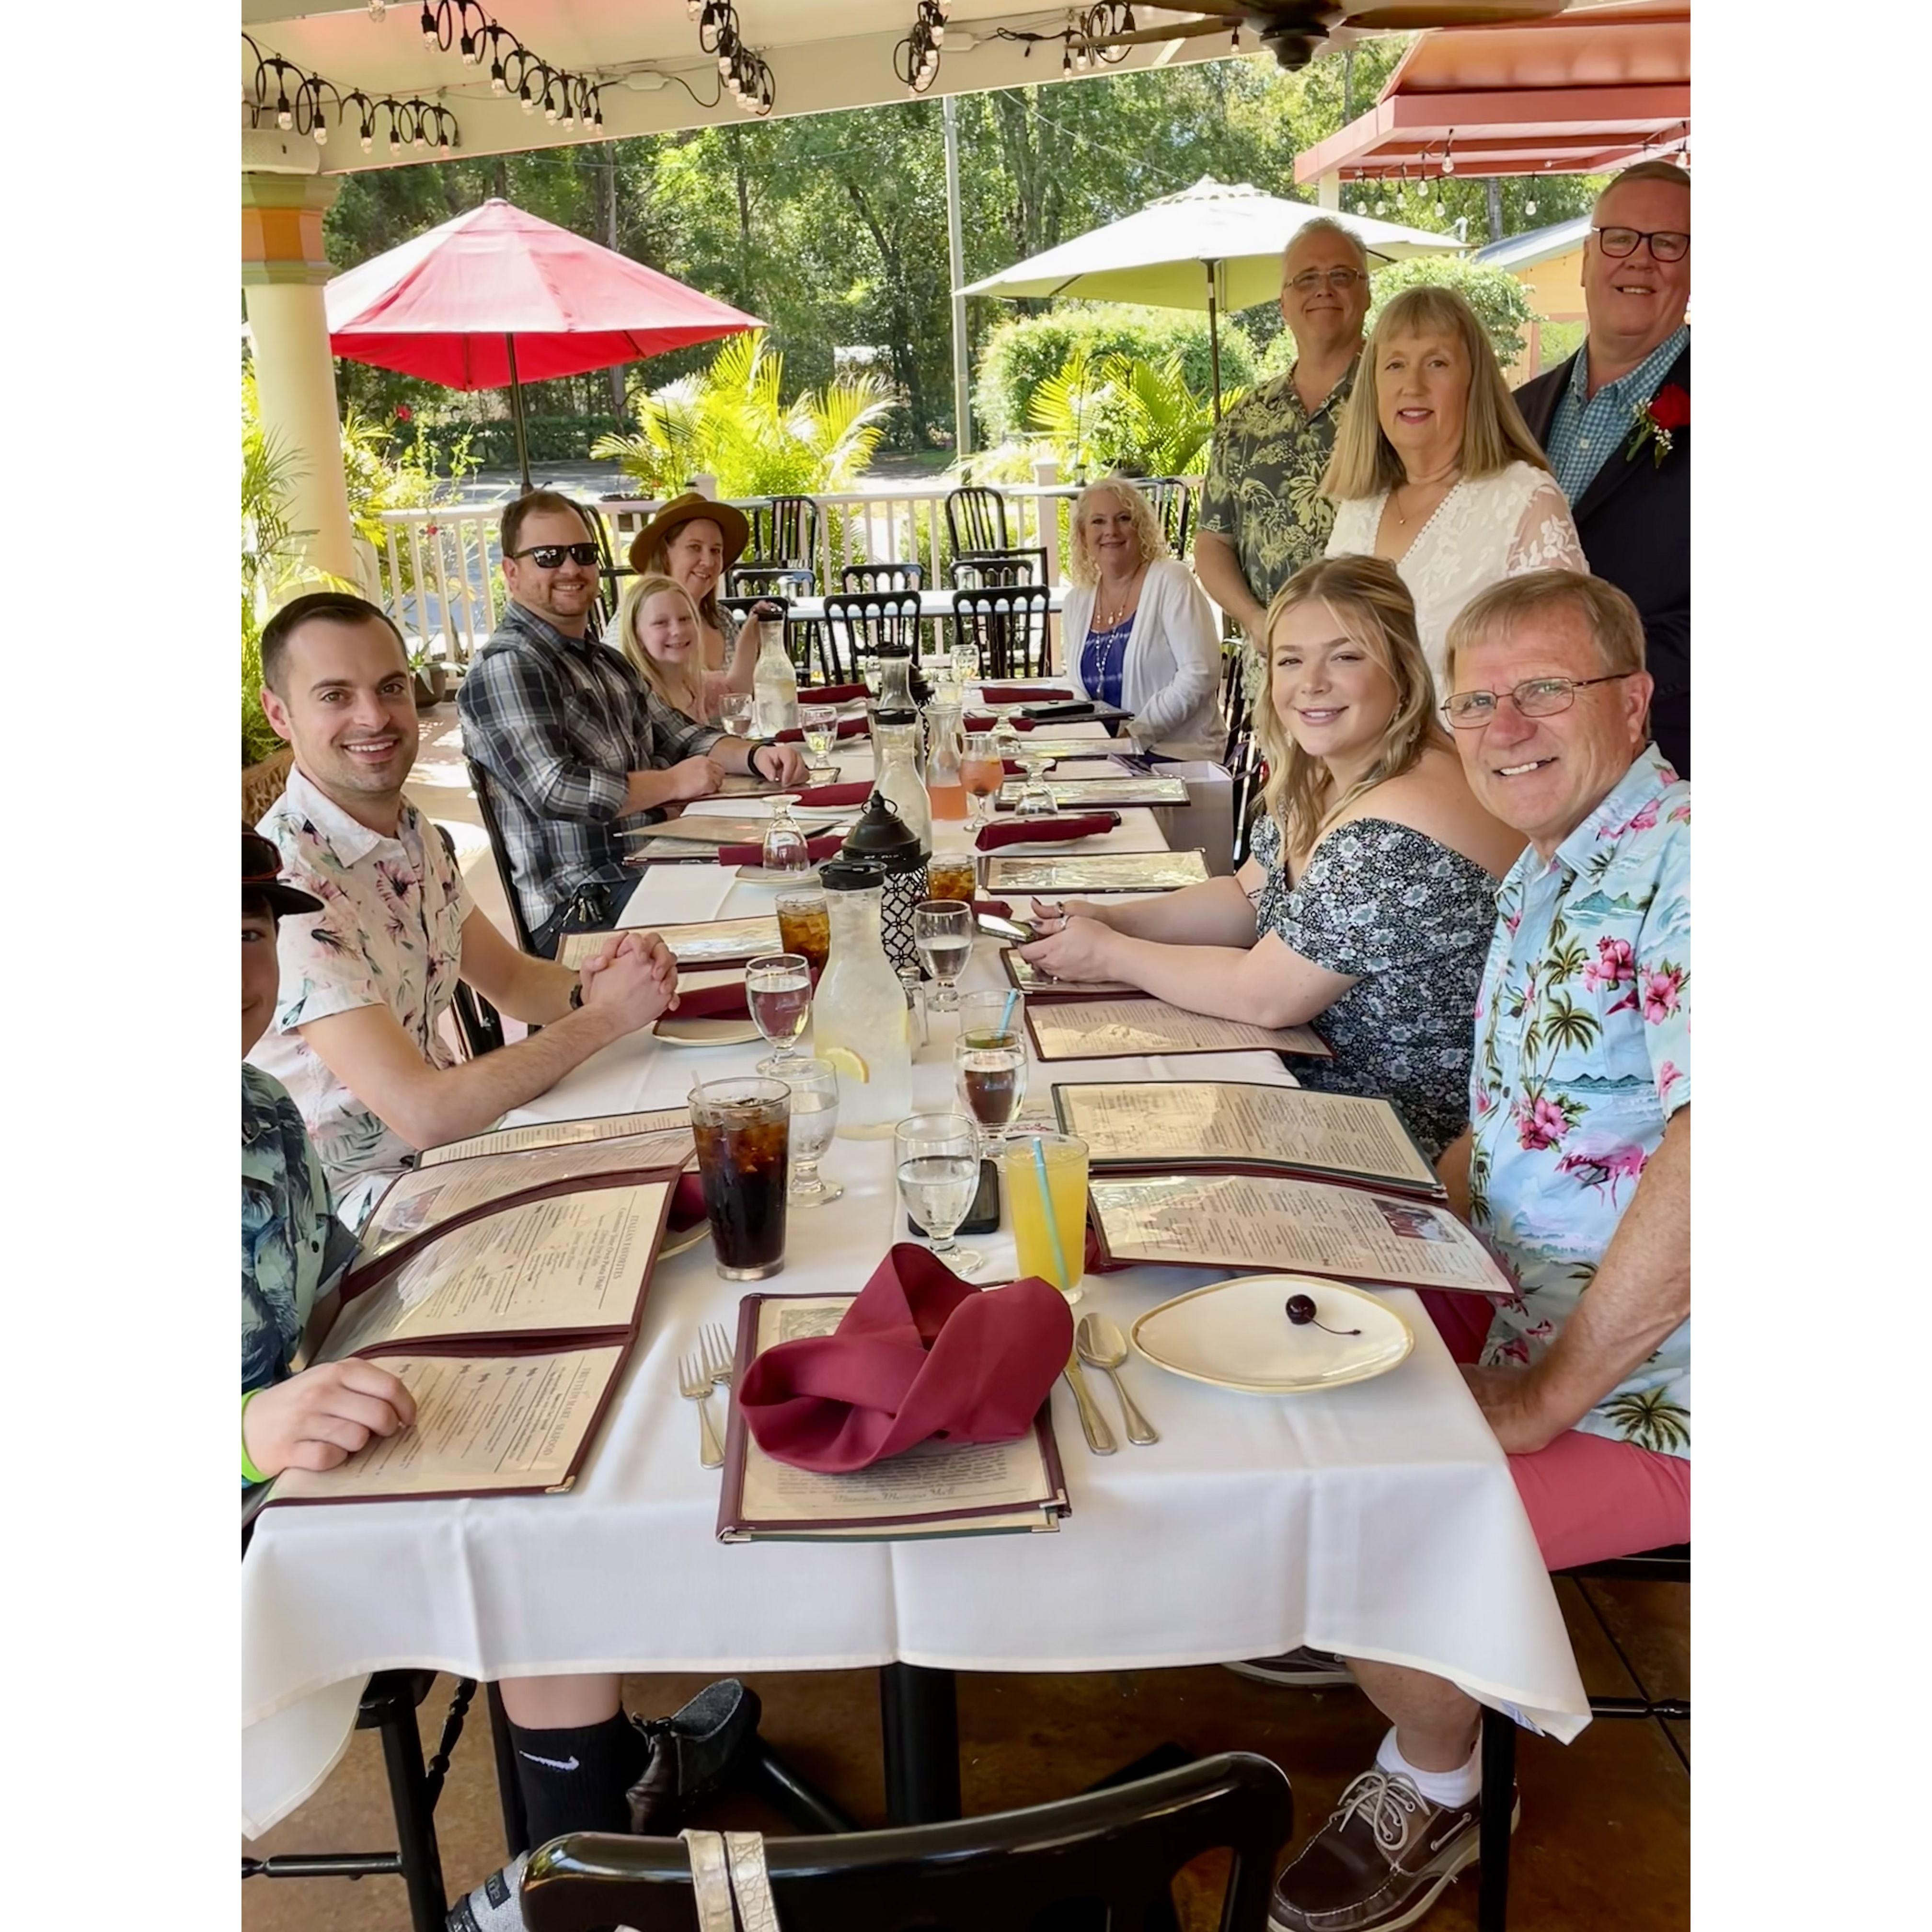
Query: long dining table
point(1378, 1519)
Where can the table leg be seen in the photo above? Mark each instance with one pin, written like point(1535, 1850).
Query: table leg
point(919, 1716)
point(1498, 1748)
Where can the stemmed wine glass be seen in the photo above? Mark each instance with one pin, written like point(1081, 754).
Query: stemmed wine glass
point(735, 710)
point(815, 1120)
point(785, 848)
point(938, 1162)
point(981, 772)
point(942, 929)
point(965, 662)
point(1036, 799)
point(778, 990)
point(989, 1063)
point(819, 724)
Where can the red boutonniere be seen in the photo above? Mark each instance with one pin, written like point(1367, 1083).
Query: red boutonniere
point(1668, 410)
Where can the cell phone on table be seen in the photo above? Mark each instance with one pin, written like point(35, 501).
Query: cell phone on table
point(983, 1217)
point(1014, 932)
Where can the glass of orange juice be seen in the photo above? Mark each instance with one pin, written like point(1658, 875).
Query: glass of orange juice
point(1046, 1199)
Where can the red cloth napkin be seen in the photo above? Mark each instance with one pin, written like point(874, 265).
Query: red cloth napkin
point(687, 1204)
point(850, 727)
point(715, 1003)
point(999, 908)
point(815, 849)
point(984, 721)
point(1022, 694)
point(919, 1354)
point(1041, 831)
point(854, 794)
point(833, 694)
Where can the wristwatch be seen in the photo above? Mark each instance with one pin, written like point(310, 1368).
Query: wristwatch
point(753, 746)
point(576, 993)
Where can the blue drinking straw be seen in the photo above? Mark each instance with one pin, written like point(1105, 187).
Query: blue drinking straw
point(1006, 1017)
point(1052, 1222)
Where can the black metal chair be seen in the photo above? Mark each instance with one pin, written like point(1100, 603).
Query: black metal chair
point(752, 581)
point(1113, 1853)
point(612, 569)
point(857, 623)
point(976, 519)
point(479, 1024)
point(861, 577)
point(977, 569)
point(784, 534)
point(1171, 499)
point(1670, 1564)
point(1008, 626)
point(479, 783)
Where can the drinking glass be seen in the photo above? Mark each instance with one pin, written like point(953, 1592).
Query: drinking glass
point(778, 989)
point(785, 849)
point(820, 724)
point(1035, 800)
point(735, 710)
point(989, 1063)
point(815, 1120)
point(869, 673)
point(804, 927)
point(981, 772)
point(952, 875)
point(965, 661)
point(942, 929)
point(1049, 1222)
point(742, 1129)
point(936, 1158)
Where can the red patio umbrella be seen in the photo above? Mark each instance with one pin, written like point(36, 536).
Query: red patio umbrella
point(497, 297)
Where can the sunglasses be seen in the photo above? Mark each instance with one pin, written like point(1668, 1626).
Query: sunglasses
point(549, 556)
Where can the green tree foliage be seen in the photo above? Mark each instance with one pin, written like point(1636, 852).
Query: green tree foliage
point(1116, 412)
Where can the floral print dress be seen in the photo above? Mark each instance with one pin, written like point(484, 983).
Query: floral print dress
point(1583, 1055)
point(1410, 920)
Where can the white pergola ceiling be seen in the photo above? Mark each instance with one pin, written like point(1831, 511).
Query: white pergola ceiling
point(822, 54)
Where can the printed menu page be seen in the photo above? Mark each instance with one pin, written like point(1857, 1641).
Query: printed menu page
point(557, 1133)
point(1080, 793)
point(1093, 871)
point(484, 1424)
point(1269, 1221)
point(1105, 1029)
point(570, 1263)
point(1031, 978)
point(427, 1197)
point(1208, 1122)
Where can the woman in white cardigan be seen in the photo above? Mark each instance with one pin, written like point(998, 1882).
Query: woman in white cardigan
point(1138, 630)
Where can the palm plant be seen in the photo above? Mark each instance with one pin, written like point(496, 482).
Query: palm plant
point(1120, 412)
point(733, 421)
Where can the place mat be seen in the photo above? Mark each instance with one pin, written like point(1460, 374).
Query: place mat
point(1101, 791)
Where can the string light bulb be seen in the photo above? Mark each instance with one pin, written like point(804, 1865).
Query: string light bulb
point(428, 25)
point(320, 133)
point(284, 119)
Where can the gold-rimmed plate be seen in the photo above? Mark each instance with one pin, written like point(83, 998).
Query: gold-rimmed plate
point(1236, 1334)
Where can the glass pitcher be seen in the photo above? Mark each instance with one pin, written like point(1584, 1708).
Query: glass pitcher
point(859, 1021)
point(945, 748)
point(896, 738)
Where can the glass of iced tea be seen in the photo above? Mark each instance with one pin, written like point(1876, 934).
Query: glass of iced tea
point(778, 990)
point(981, 772)
point(804, 927)
point(989, 1063)
point(951, 875)
point(743, 1128)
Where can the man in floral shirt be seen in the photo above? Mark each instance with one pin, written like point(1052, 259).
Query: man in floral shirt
point(1577, 1171)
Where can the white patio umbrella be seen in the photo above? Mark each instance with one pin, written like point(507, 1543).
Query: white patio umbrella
point(1214, 246)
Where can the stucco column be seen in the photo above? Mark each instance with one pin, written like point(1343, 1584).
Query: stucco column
point(1328, 189)
point(282, 270)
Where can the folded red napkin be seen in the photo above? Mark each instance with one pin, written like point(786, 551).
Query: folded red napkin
point(919, 1354)
point(833, 694)
point(1022, 693)
point(984, 721)
point(815, 849)
point(999, 908)
point(1032, 831)
point(854, 794)
point(715, 1003)
point(849, 727)
point(687, 1204)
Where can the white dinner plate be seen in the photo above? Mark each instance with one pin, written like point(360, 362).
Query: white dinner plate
point(794, 882)
point(1237, 1335)
point(675, 1030)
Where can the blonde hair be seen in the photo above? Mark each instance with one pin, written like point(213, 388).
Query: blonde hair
point(1494, 433)
point(682, 692)
point(1608, 614)
point(658, 564)
point(1081, 568)
point(1369, 601)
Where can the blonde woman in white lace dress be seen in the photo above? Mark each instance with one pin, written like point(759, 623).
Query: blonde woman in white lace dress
point(1436, 471)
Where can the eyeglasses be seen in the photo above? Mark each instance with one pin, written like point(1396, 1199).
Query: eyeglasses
point(1666, 244)
point(1340, 279)
point(1535, 697)
point(548, 556)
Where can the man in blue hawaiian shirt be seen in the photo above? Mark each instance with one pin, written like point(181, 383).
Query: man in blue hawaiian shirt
point(1577, 1171)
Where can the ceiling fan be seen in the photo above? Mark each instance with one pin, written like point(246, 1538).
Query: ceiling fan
point(1295, 31)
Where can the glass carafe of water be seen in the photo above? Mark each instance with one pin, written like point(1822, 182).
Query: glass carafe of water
point(859, 1017)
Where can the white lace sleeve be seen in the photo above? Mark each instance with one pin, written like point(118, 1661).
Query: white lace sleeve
point(1354, 534)
point(1546, 536)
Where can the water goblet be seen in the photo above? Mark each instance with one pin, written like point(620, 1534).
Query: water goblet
point(942, 930)
point(778, 990)
point(819, 724)
point(937, 1159)
point(981, 772)
point(815, 1120)
point(735, 711)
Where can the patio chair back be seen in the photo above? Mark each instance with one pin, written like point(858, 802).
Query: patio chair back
point(785, 531)
point(864, 576)
point(1111, 1855)
point(752, 581)
point(1009, 626)
point(479, 1024)
point(612, 567)
point(1025, 564)
point(479, 783)
point(858, 622)
point(1172, 502)
point(975, 520)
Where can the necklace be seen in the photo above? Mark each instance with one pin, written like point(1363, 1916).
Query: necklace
point(1426, 482)
point(1123, 607)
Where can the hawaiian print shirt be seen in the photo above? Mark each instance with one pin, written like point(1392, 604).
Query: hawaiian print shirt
point(293, 1250)
point(1583, 1055)
point(1263, 491)
point(390, 934)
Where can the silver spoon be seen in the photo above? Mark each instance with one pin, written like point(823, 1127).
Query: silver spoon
point(1102, 1346)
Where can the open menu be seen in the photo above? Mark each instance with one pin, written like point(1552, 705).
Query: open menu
point(1115, 1029)
point(711, 942)
point(1074, 794)
point(937, 1489)
point(1266, 1222)
point(1167, 1125)
point(1037, 982)
point(557, 1133)
point(1093, 871)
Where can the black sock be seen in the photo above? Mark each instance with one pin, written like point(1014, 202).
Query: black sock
point(575, 1779)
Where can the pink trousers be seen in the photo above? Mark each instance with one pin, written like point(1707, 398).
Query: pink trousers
point(1587, 1497)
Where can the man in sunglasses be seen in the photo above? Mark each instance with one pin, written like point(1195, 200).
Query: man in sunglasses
point(1615, 420)
point(569, 738)
point(1263, 515)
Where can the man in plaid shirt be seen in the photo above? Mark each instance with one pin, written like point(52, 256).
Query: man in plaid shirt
point(570, 737)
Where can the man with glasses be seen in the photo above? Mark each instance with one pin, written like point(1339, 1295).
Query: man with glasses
point(1615, 420)
point(1263, 515)
point(1576, 1171)
point(568, 736)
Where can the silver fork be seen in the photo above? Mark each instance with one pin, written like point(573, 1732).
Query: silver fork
point(693, 1382)
point(717, 1354)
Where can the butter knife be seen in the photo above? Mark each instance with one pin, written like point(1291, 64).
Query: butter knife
point(1094, 1425)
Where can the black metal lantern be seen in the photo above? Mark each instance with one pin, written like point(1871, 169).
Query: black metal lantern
point(883, 837)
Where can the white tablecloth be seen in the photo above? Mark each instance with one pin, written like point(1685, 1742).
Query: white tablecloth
point(1378, 1519)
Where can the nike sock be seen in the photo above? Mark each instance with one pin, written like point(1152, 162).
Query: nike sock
point(575, 1779)
point(1457, 1788)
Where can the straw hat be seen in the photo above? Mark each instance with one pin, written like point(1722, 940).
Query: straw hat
point(689, 508)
